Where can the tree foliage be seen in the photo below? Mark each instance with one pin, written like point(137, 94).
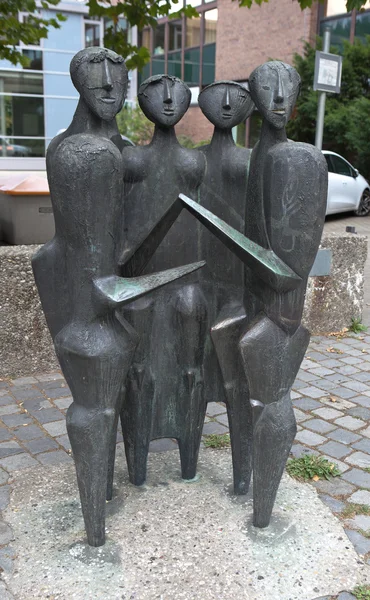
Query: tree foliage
point(347, 115)
point(133, 124)
point(30, 31)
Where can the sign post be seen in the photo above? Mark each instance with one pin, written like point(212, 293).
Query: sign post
point(328, 74)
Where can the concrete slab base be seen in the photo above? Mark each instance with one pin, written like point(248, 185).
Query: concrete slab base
point(172, 540)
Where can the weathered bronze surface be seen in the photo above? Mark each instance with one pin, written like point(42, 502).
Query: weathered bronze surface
point(132, 220)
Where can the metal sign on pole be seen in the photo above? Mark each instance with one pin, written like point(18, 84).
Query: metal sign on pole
point(328, 75)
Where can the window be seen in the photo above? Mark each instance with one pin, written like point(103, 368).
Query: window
point(23, 18)
point(174, 64)
point(175, 35)
point(209, 56)
point(159, 39)
point(191, 74)
point(35, 59)
point(192, 32)
point(210, 26)
point(340, 30)
point(93, 33)
point(340, 166)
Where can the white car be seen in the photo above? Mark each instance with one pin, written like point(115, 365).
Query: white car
point(347, 189)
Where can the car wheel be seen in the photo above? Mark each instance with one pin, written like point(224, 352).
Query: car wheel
point(364, 206)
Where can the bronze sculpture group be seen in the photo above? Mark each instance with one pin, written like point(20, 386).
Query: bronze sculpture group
point(177, 277)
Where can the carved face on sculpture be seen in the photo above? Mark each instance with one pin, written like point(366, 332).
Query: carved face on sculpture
point(274, 88)
point(164, 99)
point(100, 76)
point(225, 103)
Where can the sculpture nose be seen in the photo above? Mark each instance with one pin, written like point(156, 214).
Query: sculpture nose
point(279, 92)
point(226, 100)
point(167, 98)
point(107, 80)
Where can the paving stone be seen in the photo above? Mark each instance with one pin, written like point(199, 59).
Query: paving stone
point(306, 403)
point(5, 400)
point(30, 432)
point(346, 596)
point(362, 444)
point(63, 402)
point(313, 392)
point(308, 364)
point(339, 403)
point(310, 438)
point(6, 534)
point(5, 434)
point(343, 392)
point(297, 451)
point(47, 415)
point(334, 487)
point(305, 376)
point(4, 391)
point(320, 426)
point(341, 466)
point(50, 377)
point(41, 445)
point(18, 461)
point(22, 381)
point(358, 477)
point(16, 419)
point(162, 445)
point(317, 356)
point(295, 395)
point(324, 384)
point(362, 401)
point(357, 386)
point(56, 428)
point(4, 476)
point(355, 352)
point(366, 432)
point(63, 440)
point(343, 436)
point(50, 385)
point(321, 371)
point(334, 504)
point(361, 543)
point(350, 423)
point(213, 427)
point(299, 384)
point(360, 497)
point(348, 370)
point(4, 496)
point(9, 448)
point(360, 412)
point(328, 413)
point(331, 362)
point(214, 408)
point(6, 559)
point(363, 376)
point(365, 366)
point(12, 409)
point(352, 360)
point(359, 459)
point(335, 449)
point(57, 392)
point(54, 458)
point(337, 378)
point(36, 404)
point(301, 416)
point(27, 393)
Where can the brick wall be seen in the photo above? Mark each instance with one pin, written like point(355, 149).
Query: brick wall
point(247, 38)
point(195, 125)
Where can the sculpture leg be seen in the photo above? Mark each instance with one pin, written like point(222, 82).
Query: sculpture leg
point(112, 455)
point(191, 326)
point(225, 335)
point(271, 359)
point(91, 358)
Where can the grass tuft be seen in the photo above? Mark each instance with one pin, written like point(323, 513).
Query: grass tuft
point(217, 440)
point(362, 592)
point(351, 510)
point(356, 326)
point(311, 467)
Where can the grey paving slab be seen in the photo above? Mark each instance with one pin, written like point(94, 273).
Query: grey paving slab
point(299, 384)
point(18, 462)
point(334, 504)
point(321, 371)
point(338, 377)
point(4, 476)
point(346, 596)
point(359, 459)
point(63, 403)
point(308, 364)
point(361, 543)
point(331, 362)
point(5, 434)
point(47, 415)
point(352, 360)
point(56, 429)
point(310, 438)
point(365, 366)
point(360, 412)
point(4, 496)
point(365, 432)
point(29, 432)
point(214, 408)
point(358, 477)
point(63, 440)
point(335, 487)
point(357, 386)
point(27, 393)
point(223, 419)
point(335, 449)
point(360, 497)
point(313, 392)
point(343, 392)
point(348, 370)
point(50, 385)
point(341, 466)
point(328, 413)
point(5, 400)
point(360, 522)
point(57, 392)
point(162, 445)
point(36, 404)
point(54, 457)
point(294, 395)
point(22, 381)
point(362, 401)
point(350, 423)
point(319, 425)
point(362, 444)
point(6, 534)
point(300, 415)
point(355, 352)
point(41, 445)
point(305, 376)
point(306, 403)
point(338, 403)
point(317, 356)
point(324, 384)
point(12, 409)
point(298, 451)
point(16, 419)
point(362, 376)
point(49, 377)
point(214, 427)
point(10, 447)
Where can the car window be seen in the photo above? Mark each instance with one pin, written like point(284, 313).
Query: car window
point(340, 166)
point(328, 162)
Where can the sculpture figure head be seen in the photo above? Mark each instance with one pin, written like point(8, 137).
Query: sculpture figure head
point(101, 78)
point(225, 103)
point(164, 99)
point(274, 87)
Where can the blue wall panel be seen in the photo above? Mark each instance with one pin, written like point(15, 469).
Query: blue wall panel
point(58, 85)
point(58, 115)
point(69, 36)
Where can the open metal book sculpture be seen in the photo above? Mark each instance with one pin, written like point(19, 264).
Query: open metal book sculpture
point(177, 277)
